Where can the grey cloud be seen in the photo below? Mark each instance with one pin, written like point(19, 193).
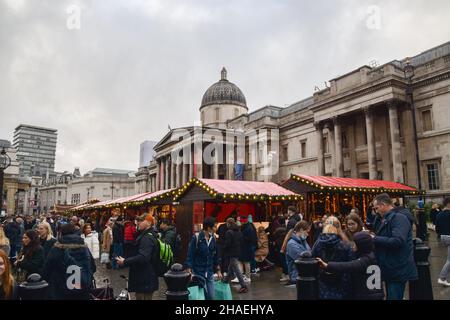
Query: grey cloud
point(136, 66)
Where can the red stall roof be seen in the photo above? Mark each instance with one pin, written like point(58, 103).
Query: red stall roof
point(352, 184)
point(240, 189)
point(150, 195)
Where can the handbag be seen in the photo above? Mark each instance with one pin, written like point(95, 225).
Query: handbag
point(222, 291)
point(21, 276)
point(104, 258)
point(196, 293)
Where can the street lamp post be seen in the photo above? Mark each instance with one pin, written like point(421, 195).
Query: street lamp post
point(5, 162)
point(409, 74)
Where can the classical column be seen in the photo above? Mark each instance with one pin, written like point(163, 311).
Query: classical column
point(191, 165)
point(216, 164)
point(395, 142)
point(332, 147)
point(371, 147)
point(338, 147)
point(166, 173)
point(158, 178)
point(320, 150)
point(173, 174)
point(184, 173)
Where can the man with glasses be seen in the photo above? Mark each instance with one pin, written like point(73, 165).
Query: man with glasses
point(393, 247)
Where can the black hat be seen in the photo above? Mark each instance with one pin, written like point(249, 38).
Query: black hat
point(363, 241)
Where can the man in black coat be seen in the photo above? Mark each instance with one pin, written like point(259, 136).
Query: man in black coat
point(12, 232)
point(294, 217)
point(394, 247)
point(443, 229)
point(142, 277)
point(118, 240)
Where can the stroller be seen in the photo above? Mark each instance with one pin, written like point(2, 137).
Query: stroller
point(105, 293)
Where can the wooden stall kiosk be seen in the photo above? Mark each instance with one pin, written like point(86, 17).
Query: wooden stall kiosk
point(159, 203)
point(331, 195)
point(199, 198)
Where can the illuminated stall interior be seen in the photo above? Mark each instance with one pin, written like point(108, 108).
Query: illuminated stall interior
point(200, 198)
point(330, 195)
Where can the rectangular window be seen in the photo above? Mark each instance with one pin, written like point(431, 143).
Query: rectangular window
point(325, 144)
point(427, 124)
point(285, 154)
point(59, 193)
point(303, 149)
point(217, 114)
point(433, 176)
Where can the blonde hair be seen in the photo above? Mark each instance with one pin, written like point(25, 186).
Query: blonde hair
point(333, 226)
point(46, 225)
point(4, 241)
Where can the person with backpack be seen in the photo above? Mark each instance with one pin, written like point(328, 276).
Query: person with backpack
point(202, 258)
point(168, 233)
point(143, 278)
point(70, 267)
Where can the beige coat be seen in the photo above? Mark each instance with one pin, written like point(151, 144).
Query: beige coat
point(263, 247)
point(107, 240)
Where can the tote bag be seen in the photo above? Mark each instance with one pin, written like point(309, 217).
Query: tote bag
point(222, 291)
point(196, 293)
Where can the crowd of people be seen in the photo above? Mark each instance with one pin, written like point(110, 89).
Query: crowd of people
point(347, 250)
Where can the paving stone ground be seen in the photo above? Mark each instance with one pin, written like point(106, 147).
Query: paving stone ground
point(266, 285)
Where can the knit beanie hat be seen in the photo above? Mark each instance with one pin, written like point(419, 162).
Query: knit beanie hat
point(363, 242)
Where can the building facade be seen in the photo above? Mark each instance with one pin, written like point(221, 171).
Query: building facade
point(72, 189)
point(360, 126)
point(36, 149)
point(15, 188)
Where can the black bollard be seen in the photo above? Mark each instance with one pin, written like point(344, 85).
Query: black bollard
point(422, 288)
point(307, 280)
point(177, 281)
point(422, 229)
point(34, 288)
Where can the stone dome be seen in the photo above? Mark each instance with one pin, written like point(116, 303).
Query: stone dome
point(224, 92)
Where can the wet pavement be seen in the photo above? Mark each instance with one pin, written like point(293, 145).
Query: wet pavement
point(266, 285)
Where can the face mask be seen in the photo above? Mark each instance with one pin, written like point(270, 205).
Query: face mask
point(303, 237)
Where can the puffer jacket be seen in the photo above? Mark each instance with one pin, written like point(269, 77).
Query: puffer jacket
point(360, 274)
point(91, 241)
point(233, 242)
point(330, 247)
point(55, 272)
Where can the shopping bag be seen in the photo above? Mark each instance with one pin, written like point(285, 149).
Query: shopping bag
point(104, 258)
point(222, 291)
point(196, 293)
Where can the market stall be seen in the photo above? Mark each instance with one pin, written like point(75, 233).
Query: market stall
point(331, 195)
point(200, 198)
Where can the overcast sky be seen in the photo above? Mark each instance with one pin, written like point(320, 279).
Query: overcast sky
point(134, 67)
